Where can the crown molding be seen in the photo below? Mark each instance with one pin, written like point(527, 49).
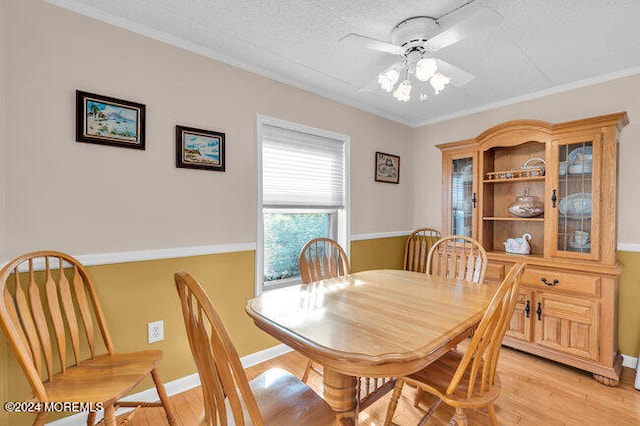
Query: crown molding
point(535, 95)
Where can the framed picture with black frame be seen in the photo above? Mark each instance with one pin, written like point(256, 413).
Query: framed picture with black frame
point(387, 168)
point(199, 149)
point(109, 121)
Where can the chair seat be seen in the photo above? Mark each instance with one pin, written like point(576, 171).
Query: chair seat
point(436, 377)
point(105, 378)
point(285, 400)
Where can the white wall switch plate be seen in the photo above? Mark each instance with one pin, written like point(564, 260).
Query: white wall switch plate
point(156, 331)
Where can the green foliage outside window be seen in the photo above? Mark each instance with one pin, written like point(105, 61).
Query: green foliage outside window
point(284, 236)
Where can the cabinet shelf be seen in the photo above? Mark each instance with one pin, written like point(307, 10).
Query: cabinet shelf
point(575, 176)
point(522, 179)
point(514, 255)
point(515, 219)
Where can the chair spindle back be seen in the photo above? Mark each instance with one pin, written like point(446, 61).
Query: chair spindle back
point(417, 248)
point(458, 257)
point(322, 258)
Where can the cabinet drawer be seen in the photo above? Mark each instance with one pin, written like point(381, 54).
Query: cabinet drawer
point(495, 272)
point(566, 281)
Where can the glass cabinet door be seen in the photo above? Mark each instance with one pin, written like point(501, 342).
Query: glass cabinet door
point(576, 196)
point(463, 196)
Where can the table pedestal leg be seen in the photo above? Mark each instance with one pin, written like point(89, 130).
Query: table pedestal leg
point(340, 394)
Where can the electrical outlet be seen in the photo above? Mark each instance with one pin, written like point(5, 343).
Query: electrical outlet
point(155, 331)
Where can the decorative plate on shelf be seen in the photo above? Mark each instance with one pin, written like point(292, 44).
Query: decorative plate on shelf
point(584, 153)
point(580, 168)
point(576, 206)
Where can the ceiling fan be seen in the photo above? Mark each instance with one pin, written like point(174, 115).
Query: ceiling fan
point(414, 40)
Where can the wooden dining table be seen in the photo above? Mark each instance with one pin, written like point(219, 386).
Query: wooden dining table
point(378, 323)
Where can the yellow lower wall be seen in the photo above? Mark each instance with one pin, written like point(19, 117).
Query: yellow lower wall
point(629, 304)
point(381, 253)
point(133, 294)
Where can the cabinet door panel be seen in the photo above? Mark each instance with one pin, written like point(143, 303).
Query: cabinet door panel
point(567, 324)
point(520, 325)
point(460, 191)
point(575, 179)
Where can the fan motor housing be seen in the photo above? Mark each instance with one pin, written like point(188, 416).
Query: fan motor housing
point(414, 32)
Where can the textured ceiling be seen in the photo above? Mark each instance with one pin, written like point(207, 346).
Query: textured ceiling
point(538, 47)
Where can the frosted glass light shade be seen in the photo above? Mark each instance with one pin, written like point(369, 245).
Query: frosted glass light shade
point(403, 92)
point(426, 68)
point(388, 79)
point(439, 81)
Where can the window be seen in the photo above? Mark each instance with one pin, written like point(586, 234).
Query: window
point(302, 194)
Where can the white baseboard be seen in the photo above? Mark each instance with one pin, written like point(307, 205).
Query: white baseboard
point(629, 361)
point(265, 355)
point(175, 387)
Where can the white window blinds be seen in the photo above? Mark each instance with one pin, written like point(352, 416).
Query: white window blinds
point(301, 169)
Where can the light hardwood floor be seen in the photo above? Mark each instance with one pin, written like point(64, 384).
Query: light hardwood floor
point(535, 392)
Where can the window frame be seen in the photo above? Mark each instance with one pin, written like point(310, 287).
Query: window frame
point(343, 217)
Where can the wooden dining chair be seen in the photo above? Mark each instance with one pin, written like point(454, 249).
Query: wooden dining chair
point(458, 257)
point(49, 303)
point(469, 380)
point(417, 248)
point(276, 397)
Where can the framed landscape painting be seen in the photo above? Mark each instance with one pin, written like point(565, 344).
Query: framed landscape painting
point(387, 168)
point(199, 149)
point(109, 121)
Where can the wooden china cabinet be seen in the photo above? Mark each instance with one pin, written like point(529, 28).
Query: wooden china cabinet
point(567, 306)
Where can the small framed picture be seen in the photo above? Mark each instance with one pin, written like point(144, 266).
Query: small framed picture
point(109, 121)
point(387, 168)
point(199, 149)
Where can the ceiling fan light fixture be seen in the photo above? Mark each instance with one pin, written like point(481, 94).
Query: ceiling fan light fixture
point(426, 68)
point(403, 91)
point(439, 81)
point(387, 79)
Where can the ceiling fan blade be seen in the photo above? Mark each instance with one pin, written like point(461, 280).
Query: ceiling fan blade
point(360, 41)
point(458, 76)
point(481, 20)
